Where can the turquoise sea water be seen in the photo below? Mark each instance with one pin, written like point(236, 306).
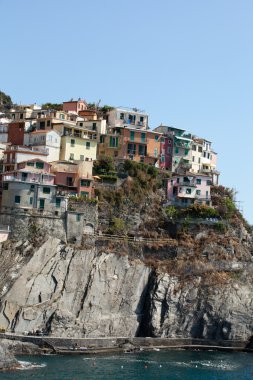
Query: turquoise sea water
point(171, 365)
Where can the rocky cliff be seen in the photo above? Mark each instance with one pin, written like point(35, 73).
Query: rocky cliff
point(203, 290)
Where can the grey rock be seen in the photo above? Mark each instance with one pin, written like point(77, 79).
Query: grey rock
point(7, 360)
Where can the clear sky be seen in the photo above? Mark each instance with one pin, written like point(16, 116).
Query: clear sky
point(188, 63)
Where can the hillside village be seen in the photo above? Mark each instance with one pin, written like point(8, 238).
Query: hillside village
point(48, 155)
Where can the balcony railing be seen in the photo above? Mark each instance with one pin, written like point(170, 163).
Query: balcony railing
point(10, 178)
point(186, 183)
point(27, 149)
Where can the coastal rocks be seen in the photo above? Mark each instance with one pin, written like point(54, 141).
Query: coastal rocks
point(7, 360)
point(21, 348)
point(193, 309)
point(71, 292)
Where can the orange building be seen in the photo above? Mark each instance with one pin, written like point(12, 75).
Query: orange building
point(132, 144)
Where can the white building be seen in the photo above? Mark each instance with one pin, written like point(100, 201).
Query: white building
point(128, 117)
point(49, 140)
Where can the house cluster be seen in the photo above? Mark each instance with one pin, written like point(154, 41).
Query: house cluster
point(47, 155)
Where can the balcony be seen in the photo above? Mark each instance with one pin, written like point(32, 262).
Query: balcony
point(186, 183)
point(27, 149)
point(11, 178)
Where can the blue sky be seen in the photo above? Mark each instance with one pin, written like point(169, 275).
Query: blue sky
point(188, 63)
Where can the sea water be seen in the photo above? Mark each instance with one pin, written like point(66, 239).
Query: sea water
point(171, 365)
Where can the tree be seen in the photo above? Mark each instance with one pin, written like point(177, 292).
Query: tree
point(5, 102)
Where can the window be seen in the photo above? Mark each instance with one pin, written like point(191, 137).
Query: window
point(42, 125)
point(78, 217)
point(188, 191)
point(114, 142)
point(72, 142)
point(17, 199)
point(198, 192)
point(71, 156)
point(30, 164)
point(198, 181)
point(85, 183)
point(31, 200)
point(162, 140)
point(156, 152)
point(32, 187)
point(156, 137)
point(81, 157)
point(169, 149)
point(62, 116)
point(194, 147)
point(162, 158)
point(131, 148)
point(176, 150)
point(121, 116)
point(193, 158)
point(132, 119)
point(141, 119)
point(39, 165)
point(5, 186)
point(48, 123)
point(69, 181)
point(87, 144)
point(84, 194)
point(21, 116)
point(199, 160)
point(208, 155)
point(58, 202)
point(142, 150)
point(207, 193)
point(81, 124)
point(94, 126)
point(200, 149)
point(143, 137)
point(46, 190)
point(132, 135)
point(186, 152)
point(208, 182)
point(178, 179)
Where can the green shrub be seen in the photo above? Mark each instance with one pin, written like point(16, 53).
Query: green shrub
point(117, 227)
point(172, 212)
point(220, 227)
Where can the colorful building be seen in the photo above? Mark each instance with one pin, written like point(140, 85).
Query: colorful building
point(49, 140)
point(74, 105)
point(74, 178)
point(30, 186)
point(78, 143)
point(132, 144)
point(15, 154)
point(123, 117)
point(186, 189)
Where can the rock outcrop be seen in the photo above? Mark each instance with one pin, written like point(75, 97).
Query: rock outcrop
point(73, 292)
point(204, 291)
point(7, 360)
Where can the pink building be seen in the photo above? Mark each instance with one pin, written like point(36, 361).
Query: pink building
point(75, 105)
point(72, 178)
point(186, 189)
point(166, 152)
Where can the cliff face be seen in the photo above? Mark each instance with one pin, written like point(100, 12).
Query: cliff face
point(74, 292)
point(206, 291)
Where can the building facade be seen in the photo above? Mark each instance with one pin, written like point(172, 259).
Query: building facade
point(189, 188)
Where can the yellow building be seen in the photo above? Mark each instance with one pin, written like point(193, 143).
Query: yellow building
point(74, 147)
